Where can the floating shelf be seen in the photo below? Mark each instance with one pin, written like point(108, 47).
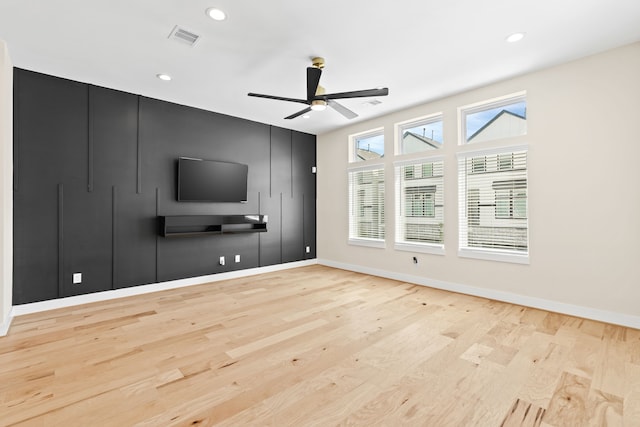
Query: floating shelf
point(199, 225)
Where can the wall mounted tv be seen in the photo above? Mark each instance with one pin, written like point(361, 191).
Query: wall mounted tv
point(211, 181)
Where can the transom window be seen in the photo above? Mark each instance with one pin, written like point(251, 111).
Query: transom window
point(367, 146)
point(420, 135)
point(502, 118)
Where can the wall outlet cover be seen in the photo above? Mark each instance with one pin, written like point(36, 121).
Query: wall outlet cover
point(221, 260)
point(77, 278)
point(308, 250)
point(237, 258)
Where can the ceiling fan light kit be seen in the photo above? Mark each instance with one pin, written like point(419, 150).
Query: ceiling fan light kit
point(318, 105)
point(318, 100)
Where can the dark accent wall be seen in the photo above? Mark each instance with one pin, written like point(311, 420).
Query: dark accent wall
point(94, 167)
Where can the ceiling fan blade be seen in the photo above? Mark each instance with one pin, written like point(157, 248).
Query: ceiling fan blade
point(279, 98)
point(313, 79)
point(299, 113)
point(342, 110)
point(355, 94)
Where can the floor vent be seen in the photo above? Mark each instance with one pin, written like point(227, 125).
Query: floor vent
point(184, 36)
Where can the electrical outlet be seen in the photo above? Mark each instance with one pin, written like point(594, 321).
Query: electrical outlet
point(308, 250)
point(221, 260)
point(415, 260)
point(237, 258)
point(77, 278)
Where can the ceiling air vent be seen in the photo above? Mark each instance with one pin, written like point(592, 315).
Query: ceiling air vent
point(184, 36)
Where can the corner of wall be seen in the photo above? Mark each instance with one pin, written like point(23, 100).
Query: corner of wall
point(6, 187)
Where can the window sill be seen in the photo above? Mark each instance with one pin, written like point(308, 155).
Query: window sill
point(372, 243)
point(494, 255)
point(420, 247)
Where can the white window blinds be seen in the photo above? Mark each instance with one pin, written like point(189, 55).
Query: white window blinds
point(420, 203)
point(493, 202)
point(366, 204)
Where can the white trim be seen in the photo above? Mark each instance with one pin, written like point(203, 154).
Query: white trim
point(494, 255)
point(481, 106)
point(6, 323)
point(628, 320)
point(37, 307)
point(371, 243)
point(368, 166)
point(419, 160)
point(424, 248)
point(360, 135)
point(399, 127)
point(499, 101)
point(474, 151)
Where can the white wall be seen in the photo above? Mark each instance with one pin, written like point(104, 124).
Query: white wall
point(6, 187)
point(584, 193)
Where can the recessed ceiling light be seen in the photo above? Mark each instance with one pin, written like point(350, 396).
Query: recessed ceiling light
point(216, 14)
point(165, 77)
point(515, 37)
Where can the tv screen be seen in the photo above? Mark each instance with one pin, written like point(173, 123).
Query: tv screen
point(211, 181)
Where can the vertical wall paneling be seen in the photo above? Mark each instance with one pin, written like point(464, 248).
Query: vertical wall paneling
point(114, 238)
point(138, 149)
point(88, 238)
point(60, 253)
point(113, 157)
point(280, 185)
point(89, 141)
point(291, 164)
point(260, 212)
point(304, 181)
point(157, 237)
point(16, 132)
point(51, 124)
point(292, 226)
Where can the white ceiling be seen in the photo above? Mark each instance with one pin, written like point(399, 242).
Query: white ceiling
point(420, 49)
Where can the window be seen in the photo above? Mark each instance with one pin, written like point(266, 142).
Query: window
point(409, 172)
point(420, 205)
point(511, 198)
point(419, 135)
point(366, 206)
point(501, 118)
point(367, 146)
point(478, 165)
point(427, 170)
point(493, 204)
point(420, 201)
point(505, 162)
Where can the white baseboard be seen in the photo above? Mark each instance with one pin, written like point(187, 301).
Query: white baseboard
point(621, 319)
point(36, 307)
point(6, 323)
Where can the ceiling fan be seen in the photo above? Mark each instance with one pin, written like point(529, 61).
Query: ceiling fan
point(318, 100)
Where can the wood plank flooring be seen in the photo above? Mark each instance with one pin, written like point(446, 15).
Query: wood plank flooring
point(316, 346)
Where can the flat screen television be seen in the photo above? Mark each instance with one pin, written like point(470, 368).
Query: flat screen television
point(211, 181)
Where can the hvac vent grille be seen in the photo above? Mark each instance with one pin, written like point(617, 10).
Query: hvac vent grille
point(184, 36)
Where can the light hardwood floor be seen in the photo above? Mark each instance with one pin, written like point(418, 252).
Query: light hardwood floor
point(316, 346)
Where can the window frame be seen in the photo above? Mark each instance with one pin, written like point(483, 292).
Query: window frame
point(353, 139)
point(353, 223)
point(400, 127)
point(490, 104)
point(491, 254)
point(400, 242)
